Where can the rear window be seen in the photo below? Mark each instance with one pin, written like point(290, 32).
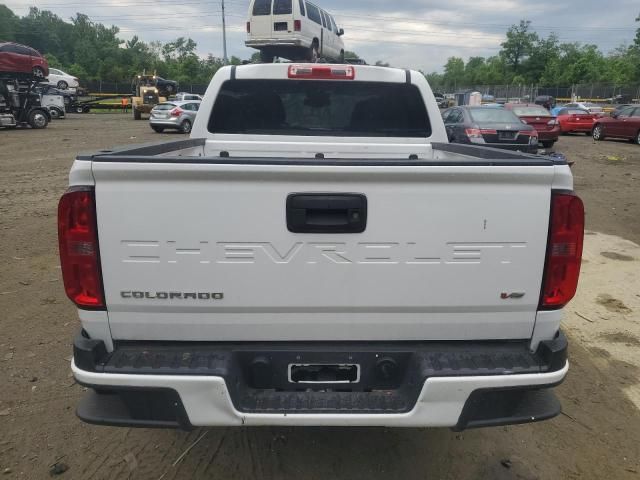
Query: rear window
point(489, 115)
point(531, 112)
point(576, 111)
point(262, 7)
point(320, 108)
point(165, 106)
point(282, 7)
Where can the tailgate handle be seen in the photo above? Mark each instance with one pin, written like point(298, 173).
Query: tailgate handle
point(326, 212)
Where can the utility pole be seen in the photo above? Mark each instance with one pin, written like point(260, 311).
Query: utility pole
point(224, 37)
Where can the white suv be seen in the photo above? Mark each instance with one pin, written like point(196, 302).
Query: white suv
point(293, 29)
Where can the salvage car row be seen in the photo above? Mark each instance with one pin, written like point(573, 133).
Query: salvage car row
point(525, 127)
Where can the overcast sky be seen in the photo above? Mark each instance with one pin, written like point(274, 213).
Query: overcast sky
point(419, 34)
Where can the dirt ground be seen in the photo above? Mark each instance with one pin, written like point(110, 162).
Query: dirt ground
point(597, 437)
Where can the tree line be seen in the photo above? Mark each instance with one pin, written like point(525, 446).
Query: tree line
point(93, 51)
point(529, 59)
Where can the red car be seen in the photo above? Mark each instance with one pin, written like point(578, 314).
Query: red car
point(16, 58)
point(622, 124)
point(575, 120)
point(540, 119)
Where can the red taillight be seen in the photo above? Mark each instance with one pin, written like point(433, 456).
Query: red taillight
point(473, 132)
point(564, 251)
point(248, 27)
point(297, 25)
point(79, 251)
point(330, 72)
point(176, 112)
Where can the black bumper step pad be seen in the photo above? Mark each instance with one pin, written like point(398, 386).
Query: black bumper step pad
point(257, 374)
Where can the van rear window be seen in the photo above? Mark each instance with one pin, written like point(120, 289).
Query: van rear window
point(320, 108)
point(262, 7)
point(282, 7)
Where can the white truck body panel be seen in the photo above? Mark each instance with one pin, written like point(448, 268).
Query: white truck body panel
point(415, 273)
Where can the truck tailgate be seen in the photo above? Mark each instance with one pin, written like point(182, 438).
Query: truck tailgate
point(201, 251)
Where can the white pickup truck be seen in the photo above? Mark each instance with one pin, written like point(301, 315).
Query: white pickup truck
point(318, 254)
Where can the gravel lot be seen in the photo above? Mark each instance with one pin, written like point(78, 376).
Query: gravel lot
point(597, 437)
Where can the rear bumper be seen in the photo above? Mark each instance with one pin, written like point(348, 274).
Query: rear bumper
point(458, 385)
point(275, 42)
point(165, 122)
point(549, 135)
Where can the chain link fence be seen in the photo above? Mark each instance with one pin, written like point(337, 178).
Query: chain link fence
point(605, 93)
point(125, 88)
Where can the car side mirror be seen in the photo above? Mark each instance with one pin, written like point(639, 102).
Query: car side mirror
point(341, 32)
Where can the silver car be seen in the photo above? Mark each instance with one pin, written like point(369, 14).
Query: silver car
point(183, 96)
point(174, 115)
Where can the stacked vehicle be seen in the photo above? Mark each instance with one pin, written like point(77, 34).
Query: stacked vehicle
point(295, 30)
point(22, 69)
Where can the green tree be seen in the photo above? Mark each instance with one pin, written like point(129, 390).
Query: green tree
point(8, 23)
point(454, 71)
point(543, 51)
point(518, 45)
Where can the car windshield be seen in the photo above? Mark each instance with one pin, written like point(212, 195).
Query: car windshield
point(320, 107)
point(164, 106)
point(528, 111)
point(492, 115)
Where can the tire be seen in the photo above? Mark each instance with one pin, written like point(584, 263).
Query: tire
point(137, 115)
point(157, 129)
point(637, 139)
point(266, 57)
point(597, 133)
point(56, 113)
point(37, 119)
point(168, 88)
point(62, 85)
point(185, 126)
point(313, 54)
point(79, 109)
point(547, 144)
point(38, 72)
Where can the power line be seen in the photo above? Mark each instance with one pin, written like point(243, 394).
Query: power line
point(476, 24)
point(132, 3)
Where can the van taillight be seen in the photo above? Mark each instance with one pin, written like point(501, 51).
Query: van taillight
point(297, 25)
point(564, 251)
point(79, 251)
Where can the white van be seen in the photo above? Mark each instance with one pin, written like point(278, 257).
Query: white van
point(293, 29)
